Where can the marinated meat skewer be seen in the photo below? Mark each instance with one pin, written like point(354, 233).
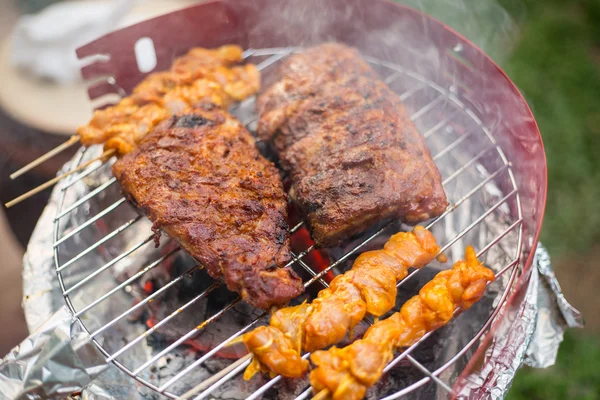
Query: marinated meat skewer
point(346, 373)
point(354, 155)
point(369, 287)
point(202, 77)
point(201, 180)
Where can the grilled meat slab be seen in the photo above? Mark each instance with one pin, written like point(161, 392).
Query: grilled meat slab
point(354, 155)
point(201, 180)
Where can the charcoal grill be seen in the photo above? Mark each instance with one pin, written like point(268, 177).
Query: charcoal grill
point(479, 129)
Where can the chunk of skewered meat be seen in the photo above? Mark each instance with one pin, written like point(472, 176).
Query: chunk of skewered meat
point(354, 155)
point(346, 373)
point(369, 287)
point(201, 180)
point(201, 77)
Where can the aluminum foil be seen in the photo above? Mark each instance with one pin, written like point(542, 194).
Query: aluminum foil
point(56, 360)
point(555, 314)
point(530, 336)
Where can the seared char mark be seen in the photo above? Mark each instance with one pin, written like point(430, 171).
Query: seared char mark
point(191, 121)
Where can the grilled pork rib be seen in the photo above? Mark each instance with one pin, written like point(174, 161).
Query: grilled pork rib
point(201, 180)
point(354, 155)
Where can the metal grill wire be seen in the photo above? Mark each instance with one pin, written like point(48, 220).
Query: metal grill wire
point(499, 244)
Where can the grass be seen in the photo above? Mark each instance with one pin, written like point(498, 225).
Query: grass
point(557, 66)
point(574, 377)
point(551, 50)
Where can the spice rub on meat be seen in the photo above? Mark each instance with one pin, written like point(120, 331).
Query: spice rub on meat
point(353, 153)
point(200, 179)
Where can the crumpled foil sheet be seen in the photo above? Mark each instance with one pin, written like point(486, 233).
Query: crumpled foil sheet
point(95, 392)
point(551, 321)
point(56, 360)
point(530, 336)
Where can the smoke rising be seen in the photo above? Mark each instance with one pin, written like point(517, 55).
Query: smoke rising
point(485, 22)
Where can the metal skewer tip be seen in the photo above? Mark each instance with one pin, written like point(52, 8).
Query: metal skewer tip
point(102, 158)
point(72, 140)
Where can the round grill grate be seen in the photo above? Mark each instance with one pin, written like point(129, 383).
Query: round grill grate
point(94, 223)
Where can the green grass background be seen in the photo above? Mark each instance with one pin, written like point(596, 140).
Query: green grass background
point(551, 50)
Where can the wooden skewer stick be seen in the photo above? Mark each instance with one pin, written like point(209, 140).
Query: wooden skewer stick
point(321, 395)
point(105, 156)
point(72, 140)
point(208, 382)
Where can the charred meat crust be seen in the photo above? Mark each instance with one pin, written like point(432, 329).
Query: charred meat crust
point(353, 153)
point(200, 179)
